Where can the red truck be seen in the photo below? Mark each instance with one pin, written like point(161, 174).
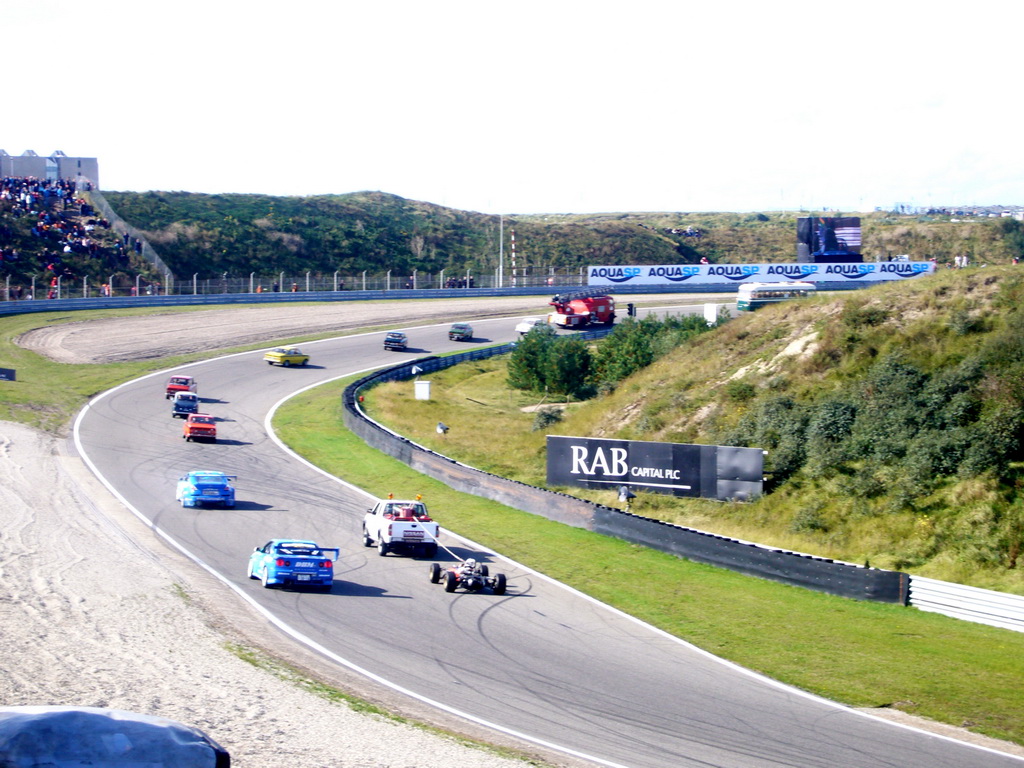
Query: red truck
point(582, 308)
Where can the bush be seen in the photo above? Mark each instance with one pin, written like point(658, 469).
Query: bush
point(545, 417)
point(571, 370)
point(739, 391)
point(624, 351)
point(857, 316)
point(531, 360)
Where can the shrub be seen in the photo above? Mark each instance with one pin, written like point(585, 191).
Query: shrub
point(531, 360)
point(545, 417)
point(831, 421)
point(624, 351)
point(809, 519)
point(739, 391)
point(571, 367)
point(857, 316)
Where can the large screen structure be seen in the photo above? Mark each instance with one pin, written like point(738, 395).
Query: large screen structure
point(828, 239)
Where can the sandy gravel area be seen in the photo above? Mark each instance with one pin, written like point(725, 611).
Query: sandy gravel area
point(96, 611)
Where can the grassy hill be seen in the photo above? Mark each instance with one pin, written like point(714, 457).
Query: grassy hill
point(234, 234)
point(238, 234)
point(893, 418)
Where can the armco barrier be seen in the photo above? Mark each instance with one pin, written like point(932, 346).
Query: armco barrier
point(983, 606)
point(844, 579)
point(215, 299)
point(26, 306)
point(799, 570)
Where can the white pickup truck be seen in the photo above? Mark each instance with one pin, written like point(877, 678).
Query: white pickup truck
point(394, 524)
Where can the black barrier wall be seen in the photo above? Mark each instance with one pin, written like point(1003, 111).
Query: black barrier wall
point(822, 575)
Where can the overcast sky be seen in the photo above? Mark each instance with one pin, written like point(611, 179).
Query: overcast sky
point(529, 107)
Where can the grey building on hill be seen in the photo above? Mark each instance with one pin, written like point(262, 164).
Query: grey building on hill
point(84, 170)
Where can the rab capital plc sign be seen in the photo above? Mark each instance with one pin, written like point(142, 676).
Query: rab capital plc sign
point(677, 469)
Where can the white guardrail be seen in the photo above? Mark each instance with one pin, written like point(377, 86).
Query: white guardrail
point(997, 609)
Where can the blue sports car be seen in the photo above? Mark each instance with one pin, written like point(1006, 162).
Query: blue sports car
point(293, 562)
point(201, 487)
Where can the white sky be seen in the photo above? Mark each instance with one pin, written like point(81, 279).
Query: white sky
point(529, 107)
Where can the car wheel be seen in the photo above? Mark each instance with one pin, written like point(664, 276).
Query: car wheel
point(264, 580)
point(499, 584)
point(430, 550)
point(367, 541)
point(249, 571)
point(435, 573)
point(286, 363)
point(382, 547)
point(449, 582)
point(485, 571)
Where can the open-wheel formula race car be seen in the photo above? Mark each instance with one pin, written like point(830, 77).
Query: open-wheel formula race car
point(468, 575)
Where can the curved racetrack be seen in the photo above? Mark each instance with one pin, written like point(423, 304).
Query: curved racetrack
point(542, 663)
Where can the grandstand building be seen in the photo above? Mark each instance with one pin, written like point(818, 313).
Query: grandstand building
point(83, 170)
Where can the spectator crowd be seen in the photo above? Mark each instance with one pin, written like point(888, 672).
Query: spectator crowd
point(45, 226)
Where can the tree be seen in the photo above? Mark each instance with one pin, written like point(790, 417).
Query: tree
point(626, 350)
point(570, 372)
point(531, 360)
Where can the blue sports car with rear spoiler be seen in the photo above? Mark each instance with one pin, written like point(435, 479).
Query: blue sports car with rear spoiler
point(293, 562)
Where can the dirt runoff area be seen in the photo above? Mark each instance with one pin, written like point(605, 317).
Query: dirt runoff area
point(96, 611)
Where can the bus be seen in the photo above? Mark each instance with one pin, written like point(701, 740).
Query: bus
point(751, 296)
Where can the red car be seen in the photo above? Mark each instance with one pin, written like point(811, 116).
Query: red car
point(200, 426)
point(178, 384)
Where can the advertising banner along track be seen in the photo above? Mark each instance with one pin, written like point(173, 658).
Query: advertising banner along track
point(724, 274)
point(677, 469)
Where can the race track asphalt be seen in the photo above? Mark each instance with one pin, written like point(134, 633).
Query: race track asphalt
point(542, 663)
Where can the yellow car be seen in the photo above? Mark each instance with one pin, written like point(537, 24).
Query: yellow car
point(286, 356)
